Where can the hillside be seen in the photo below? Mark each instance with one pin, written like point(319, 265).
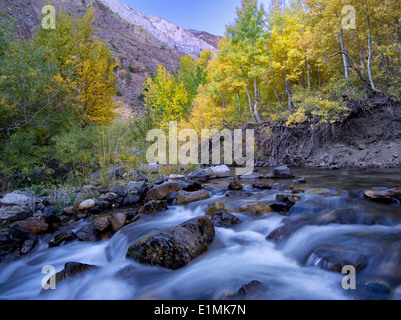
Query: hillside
point(130, 35)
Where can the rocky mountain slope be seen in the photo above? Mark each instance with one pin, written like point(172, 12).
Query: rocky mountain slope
point(163, 30)
point(139, 41)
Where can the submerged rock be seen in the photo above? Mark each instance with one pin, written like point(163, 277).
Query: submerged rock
point(174, 247)
point(252, 290)
point(383, 195)
point(224, 219)
point(256, 208)
point(334, 258)
point(215, 207)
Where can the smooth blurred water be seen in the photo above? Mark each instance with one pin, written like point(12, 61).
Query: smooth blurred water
point(238, 255)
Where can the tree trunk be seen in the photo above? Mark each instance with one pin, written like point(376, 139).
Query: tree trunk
point(288, 92)
point(307, 73)
point(250, 102)
point(372, 84)
point(256, 105)
point(239, 103)
point(345, 61)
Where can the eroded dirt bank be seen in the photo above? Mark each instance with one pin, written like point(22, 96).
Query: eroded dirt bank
point(369, 137)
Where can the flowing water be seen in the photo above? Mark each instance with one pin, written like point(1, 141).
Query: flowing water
point(239, 254)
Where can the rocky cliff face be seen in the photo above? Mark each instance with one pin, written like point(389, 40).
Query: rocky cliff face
point(185, 41)
point(139, 41)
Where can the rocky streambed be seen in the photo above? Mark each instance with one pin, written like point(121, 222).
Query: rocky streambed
point(278, 234)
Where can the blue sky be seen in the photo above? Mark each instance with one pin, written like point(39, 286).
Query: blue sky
point(204, 15)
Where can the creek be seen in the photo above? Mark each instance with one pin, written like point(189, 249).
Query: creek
point(298, 266)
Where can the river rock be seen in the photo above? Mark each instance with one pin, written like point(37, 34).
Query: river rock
point(117, 221)
point(282, 172)
point(60, 237)
point(256, 208)
point(131, 200)
point(87, 205)
point(33, 225)
point(109, 197)
point(235, 185)
point(216, 207)
point(318, 191)
point(87, 233)
point(200, 176)
point(101, 224)
point(162, 191)
point(252, 176)
point(192, 186)
point(50, 215)
point(262, 185)
point(120, 192)
point(237, 194)
point(218, 171)
point(153, 206)
point(71, 270)
point(252, 290)
point(25, 239)
point(174, 247)
point(133, 186)
point(383, 195)
point(184, 197)
point(224, 219)
point(150, 168)
point(16, 206)
point(335, 257)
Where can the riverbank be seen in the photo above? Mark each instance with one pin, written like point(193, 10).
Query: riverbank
point(369, 136)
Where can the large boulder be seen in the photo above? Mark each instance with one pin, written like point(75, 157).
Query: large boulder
point(184, 197)
point(162, 191)
point(16, 206)
point(174, 247)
